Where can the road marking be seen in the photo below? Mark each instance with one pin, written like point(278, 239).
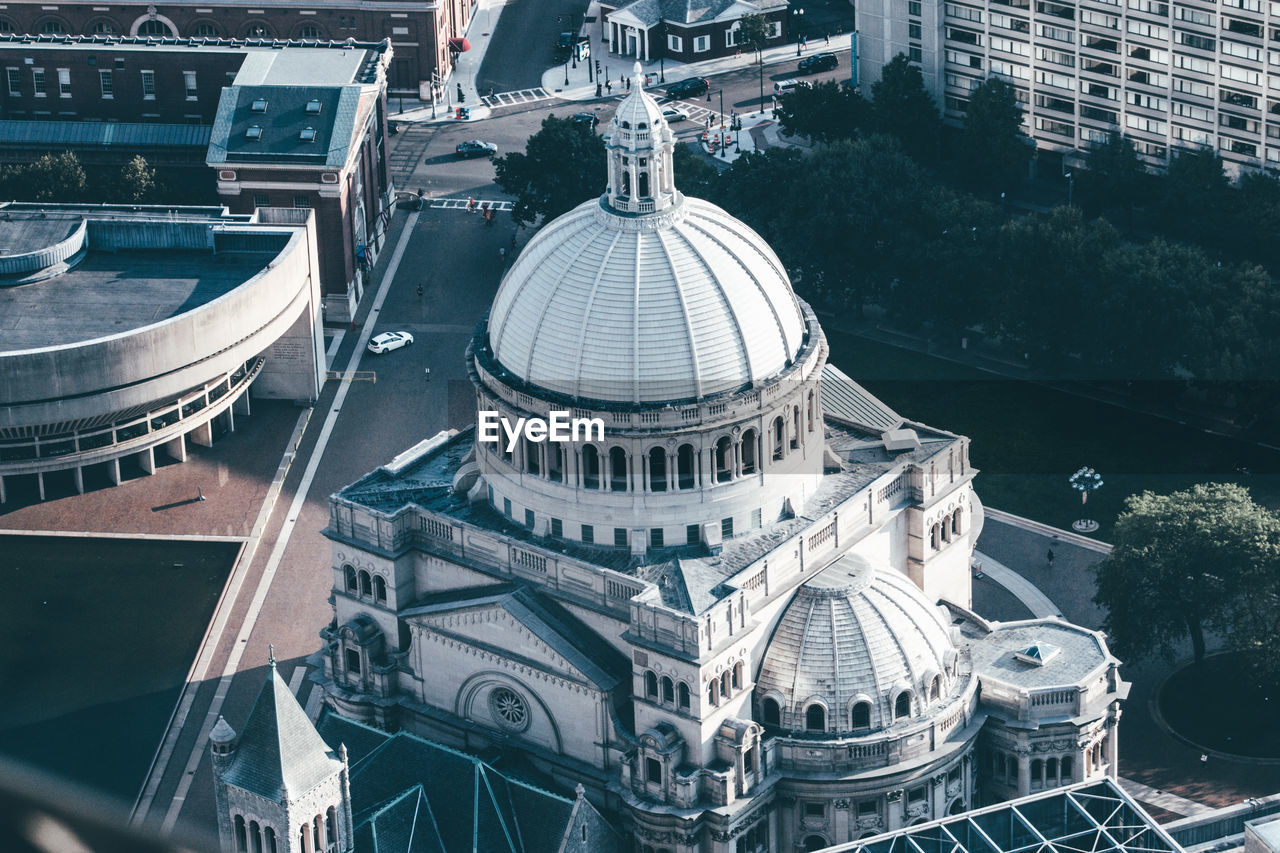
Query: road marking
point(213, 635)
point(477, 204)
point(1021, 588)
point(332, 352)
point(314, 701)
point(516, 97)
point(286, 532)
point(295, 680)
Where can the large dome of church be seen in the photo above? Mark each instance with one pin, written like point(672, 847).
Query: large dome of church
point(858, 635)
point(643, 295)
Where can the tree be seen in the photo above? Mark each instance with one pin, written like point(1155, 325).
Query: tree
point(993, 152)
point(1195, 182)
point(826, 112)
point(1113, 176)
point(694, 176)
point(753, 32)
point(563, 165)
point(52, 177)
point(1183, 564)
point(903, 109)
point(137, 181)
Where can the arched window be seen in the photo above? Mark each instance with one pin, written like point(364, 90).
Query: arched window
point(310, 32)
point(302, 839)
point(269, 837)
point(713, 691)
point(815, 842)
point(770, 712)
point(724, 684)
point(242, 843)
point(258, 30)
point(902, 705)
point(737, 676)
point(555, 463)
point(642, 185)
point(6, 26)
point(651, 685)
point(935, 687)
point(724, 460)
point(255, 837)
point(315, 833)
point(350, 578)
point(657, 469)
point(331, 826)
point(815, 718)
point(1051, 771)
point(103, 27)
point(155, 29)
point(626, 182)
point(933, 537)
point(1065, 772)
point(379, 588)
point(590, 467)
point(955, 523)
point(860, 717)
point(668, 690)
point(532, 457)
point(1037, 774)
point(1011, 770)
point(617, 469)
point(205, 30)
point(810, 414)
point(749, 455)
point(778, 429)
point(795, 427)
point(684, 466)
point(52, 27)
point(366, 583)
point(682, 695)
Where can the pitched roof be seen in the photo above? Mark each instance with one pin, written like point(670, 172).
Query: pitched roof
point(409, 795)
point(284, 124)
point(280, 754)
point(846, 400)
point(106, 134)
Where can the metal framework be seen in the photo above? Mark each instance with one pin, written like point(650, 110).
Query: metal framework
point(1090, 817)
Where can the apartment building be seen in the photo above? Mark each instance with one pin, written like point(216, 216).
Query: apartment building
point(1167, 73)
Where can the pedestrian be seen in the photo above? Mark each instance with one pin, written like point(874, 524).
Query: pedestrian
point(471, 205)
point(828, 38)
point(1050, 556)
point(628, 84)
point(502, 254)
point(608, 87)
point(804, 42)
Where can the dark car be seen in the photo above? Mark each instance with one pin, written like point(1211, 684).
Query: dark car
point(564, 42)
point(685, 88)
point(818, 62)
point(476, 148)
point(585, 118)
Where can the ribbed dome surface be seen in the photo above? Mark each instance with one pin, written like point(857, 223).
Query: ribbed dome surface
point(643, 309)
point(854, 633)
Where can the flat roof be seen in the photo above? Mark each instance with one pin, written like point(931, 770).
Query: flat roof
point(89, 301)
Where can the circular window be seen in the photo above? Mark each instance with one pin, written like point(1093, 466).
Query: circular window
point(509, 709)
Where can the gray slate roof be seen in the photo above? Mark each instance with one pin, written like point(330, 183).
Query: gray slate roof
point(995, 655)
point(280, 754)
point(409, 795)
point(282, 123)
point(105, 134)
point(677, 11)
point(846, 400)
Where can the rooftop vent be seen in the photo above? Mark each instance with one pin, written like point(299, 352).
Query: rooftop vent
point(253, 131)
point(307, 134)
point(259, 105)
point(313, 106)
point(900, 439)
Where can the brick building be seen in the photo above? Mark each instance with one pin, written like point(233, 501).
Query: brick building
point(320, 139)
point(419, 30)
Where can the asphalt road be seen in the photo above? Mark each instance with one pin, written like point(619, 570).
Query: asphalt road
point(523, 44)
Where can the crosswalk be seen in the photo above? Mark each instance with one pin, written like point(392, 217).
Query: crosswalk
point(517, 97)
point(477, 204)
point(315, 693)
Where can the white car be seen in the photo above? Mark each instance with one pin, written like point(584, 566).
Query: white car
point(387, 341)
point(672, 114)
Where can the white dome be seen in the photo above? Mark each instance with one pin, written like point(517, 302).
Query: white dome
point(639, 309)
point(855, 633)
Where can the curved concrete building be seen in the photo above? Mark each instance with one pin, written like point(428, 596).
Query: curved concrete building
point(124, 330)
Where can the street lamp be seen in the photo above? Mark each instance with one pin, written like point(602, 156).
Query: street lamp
point(1084, 481)
point(719, 92)
point(1071, 186)
point(799, 16)
point(662, 56)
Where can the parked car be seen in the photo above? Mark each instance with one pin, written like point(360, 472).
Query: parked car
point(817, 62)
point(685, 88)
point(564, 43)
point(673, 114)
point(783, 87)
point(387, 341)
point(585, 118)
point(476, 148)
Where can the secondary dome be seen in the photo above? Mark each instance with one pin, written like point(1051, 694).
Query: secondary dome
point(853, 642)
point(645, 296)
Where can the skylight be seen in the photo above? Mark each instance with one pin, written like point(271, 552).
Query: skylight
point(253, 131)
point(313, 106)
point(259, 105)
point(307, 134)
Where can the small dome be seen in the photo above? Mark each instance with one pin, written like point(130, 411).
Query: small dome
point(856, 634)
point(602, 306)
point(222, 732)
point(636, 112)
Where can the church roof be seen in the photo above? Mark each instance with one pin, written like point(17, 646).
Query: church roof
point(409, 795)
point(846, 400)
point(280, 755)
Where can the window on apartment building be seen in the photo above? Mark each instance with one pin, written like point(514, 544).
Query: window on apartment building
point(913, 31)
point(302, 201)
point(913, 8)
point(64, 82)
point(205, 31)
point(155, 28)
point(148, 84)
point(588, 534)
point(37, 82)
point(104, 81)
point(15, 82)
point(261, 200)
point(914, 54)
point(189, 81)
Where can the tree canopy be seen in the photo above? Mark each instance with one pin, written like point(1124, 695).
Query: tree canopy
point(825, 112)
point(753, 31)
point(992, 151)
point(904, 110)
point(1186, 563)
point(562, 165)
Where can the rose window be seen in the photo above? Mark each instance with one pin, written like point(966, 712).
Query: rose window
point(509, 708)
